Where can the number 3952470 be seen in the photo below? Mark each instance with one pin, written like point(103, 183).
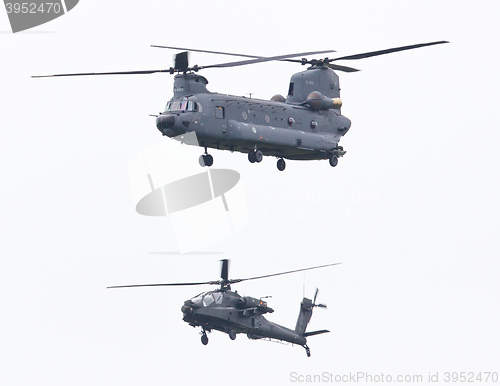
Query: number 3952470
point(33, 8)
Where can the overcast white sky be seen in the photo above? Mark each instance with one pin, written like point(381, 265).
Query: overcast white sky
point(411, 211)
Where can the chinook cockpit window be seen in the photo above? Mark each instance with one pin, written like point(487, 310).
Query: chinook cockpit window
point(290, 89)
point(182, 106)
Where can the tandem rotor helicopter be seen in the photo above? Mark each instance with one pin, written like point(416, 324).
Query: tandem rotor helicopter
point(229, 312)
point(306, 125)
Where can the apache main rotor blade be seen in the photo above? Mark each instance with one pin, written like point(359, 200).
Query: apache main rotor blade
point(387, 51)
point(103, 73)
point(315, 296)
point(223, 281)
point(224, 270)
point(232, 281)
point(262, 60)
point(164, 284)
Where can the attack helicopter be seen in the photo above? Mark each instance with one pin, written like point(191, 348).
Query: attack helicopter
point(306, 125)
point(227, 311)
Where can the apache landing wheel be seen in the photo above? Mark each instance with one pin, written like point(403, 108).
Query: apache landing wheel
point(334, 160)
point(281, 164)
point(204, 339)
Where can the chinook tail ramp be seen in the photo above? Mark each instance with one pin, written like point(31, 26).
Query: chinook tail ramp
point(306, 309)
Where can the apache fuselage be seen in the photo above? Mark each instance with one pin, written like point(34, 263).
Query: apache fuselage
point(307, 125)
point(228, 312)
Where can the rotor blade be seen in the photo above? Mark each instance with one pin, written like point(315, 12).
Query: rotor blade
point(166, 284)
point(208, 52)
point(103, 73)
point(387, 51)
point(321, 305)
point(224, 269)
point(181, 61)
point(261, 60)
point(336, 67)
point(315, 295)
point(232, 281)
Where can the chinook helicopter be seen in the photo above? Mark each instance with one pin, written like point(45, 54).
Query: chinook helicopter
point(229, 312)
point(306, 125)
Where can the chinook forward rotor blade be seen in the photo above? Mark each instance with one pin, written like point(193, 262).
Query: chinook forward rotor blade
point(256, 59)
point(387, 51)
point(233, 281)
point(208, 52)
point(103, 73)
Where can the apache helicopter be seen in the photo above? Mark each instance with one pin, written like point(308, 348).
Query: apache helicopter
point(306, 125)
point(229, 312)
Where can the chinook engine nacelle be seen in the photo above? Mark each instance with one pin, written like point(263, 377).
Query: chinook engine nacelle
point(318, 101)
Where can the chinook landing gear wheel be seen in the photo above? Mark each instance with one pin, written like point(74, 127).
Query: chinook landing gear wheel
point(206, 160)
point(258, 156)
point(334, 160)
point(255, 156)
point(232, 334)
point(204, 339)
point(281, 164)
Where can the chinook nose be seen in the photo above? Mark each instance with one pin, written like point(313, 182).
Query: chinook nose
point(164, 123)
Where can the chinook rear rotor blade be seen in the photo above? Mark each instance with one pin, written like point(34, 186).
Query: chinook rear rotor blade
point(327, 61)
point(262, 60)
point(387, 51)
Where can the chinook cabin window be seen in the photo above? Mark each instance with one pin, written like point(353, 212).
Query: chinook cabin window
point(290, 89)
point(219, 112)
point(182, 106)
